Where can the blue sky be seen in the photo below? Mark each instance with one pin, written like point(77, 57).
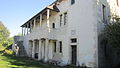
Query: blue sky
point(13, 13)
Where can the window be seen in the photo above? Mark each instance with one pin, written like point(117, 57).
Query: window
point(54, 46)
point(61, 20)
point(60, 46)
point(104, 10)
point(65, 18)
point(53, 25)
point(74, 40)
point(72, 2)
point(117, 2)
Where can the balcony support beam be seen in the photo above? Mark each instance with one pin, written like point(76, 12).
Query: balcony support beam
point(48, 15)
point(34, 22)
point(33, 49)
point(22, 32)
point(46, 50)
point(30, 26)
point(40, 51)
point(40, 20)
point(27, 28)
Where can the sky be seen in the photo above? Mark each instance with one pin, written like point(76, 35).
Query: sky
point(13, 13)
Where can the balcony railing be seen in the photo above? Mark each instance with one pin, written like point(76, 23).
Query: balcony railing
point(44, 32)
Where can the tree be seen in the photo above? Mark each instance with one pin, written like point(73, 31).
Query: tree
point(112, 35)
point(4, 34)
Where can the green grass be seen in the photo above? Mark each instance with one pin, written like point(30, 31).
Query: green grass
point(8, 61)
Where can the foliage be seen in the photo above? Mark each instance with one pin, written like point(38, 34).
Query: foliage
point(4, 36)
point(8, 42)
point(112, 35)
point(8, 52)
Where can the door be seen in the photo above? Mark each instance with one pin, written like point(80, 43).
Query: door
point(74, 54)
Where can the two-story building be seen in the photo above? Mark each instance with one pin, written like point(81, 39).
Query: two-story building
point(67, 31)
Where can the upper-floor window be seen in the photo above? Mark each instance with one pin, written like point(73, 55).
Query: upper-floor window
point(104, 12)
point(61, 20)
point(65, 18)
point(72, 2)
point(117, 2)
point(53, 25)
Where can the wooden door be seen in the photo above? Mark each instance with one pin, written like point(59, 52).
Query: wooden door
point(74, 54)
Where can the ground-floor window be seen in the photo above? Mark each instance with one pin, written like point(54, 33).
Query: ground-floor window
point(60, 46)
point(54, 46)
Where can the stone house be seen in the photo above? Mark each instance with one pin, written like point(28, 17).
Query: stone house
point(67, 31)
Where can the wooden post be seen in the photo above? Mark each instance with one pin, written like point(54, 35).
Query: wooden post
point(33, 49)
point(40, 20)
point(27, 27)
point(48, 15)
point(34, 22)
point(46, 50)
point(39, 54)
point(22, 32)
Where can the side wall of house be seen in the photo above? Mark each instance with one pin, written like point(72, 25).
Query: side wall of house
point(82, 20)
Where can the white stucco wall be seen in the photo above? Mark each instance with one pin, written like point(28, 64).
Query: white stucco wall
point(82, 18)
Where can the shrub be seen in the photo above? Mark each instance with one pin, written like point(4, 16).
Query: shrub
point(112, 35)
point(8, 52)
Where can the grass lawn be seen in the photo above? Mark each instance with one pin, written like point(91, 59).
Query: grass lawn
point(7, 61)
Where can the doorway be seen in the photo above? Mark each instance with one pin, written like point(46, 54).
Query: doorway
point(73, 54)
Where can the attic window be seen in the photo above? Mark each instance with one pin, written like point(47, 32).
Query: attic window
point(72, 2)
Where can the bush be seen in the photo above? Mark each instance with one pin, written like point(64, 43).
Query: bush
point(112, 35)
